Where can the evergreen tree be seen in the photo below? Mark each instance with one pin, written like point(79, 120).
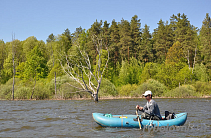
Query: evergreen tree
point(205, 35)
point(66, 40)
point(95, 30)
point(113, 47)
point(76, 34)
point(163, 39)
point(186, 34)
point(106, 33)
point(146, 51)
point(135, 35)
point(51, 38)
point(125, 43)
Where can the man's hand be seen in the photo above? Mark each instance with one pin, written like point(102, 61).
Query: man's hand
point(139, 107)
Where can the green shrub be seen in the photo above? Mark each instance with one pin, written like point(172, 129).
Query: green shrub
point(155, 86)
point(10, 81)
point(127, 90)
point(6, 92)
point(23, 92)
point(107, 88)
point(40, 91)
point(182, 91)
point(204, 88)
point(66, 91)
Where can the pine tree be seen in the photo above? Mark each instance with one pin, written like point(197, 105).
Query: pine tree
point(205, 35)
point(186, 34)
point(95, 30)
point(113, 47)
point(66, 40)
point(135, 35)
point(146, 51)
point(163, 39)
point(125, 43)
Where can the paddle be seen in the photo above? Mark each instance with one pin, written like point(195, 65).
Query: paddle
point(138, 118)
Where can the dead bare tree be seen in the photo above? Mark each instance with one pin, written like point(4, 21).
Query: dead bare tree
point(80, 68)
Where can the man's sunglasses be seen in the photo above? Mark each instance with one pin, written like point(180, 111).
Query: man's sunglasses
point(146, 95)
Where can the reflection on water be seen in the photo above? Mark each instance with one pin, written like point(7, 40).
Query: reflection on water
point(73, 118)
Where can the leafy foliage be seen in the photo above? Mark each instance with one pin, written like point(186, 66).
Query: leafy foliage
point(157, 88)
point(107, 88)
point(182, 91)
point(174, 60)
point(127, 90)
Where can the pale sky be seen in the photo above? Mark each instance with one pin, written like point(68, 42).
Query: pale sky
point(40, 18)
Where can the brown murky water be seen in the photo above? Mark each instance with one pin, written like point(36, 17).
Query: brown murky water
point(73, 118)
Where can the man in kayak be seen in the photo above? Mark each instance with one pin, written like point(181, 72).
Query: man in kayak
point(151, 109)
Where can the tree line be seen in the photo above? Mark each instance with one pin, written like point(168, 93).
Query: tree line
point(177, 54)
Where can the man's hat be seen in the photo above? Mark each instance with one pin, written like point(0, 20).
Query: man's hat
point(147, 93)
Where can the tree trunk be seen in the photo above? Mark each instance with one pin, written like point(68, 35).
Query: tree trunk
point(55, 82)
point(95, 97)
point(13, 85)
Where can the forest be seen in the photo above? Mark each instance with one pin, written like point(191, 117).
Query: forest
point(172, 61)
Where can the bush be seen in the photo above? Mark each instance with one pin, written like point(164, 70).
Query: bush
point(66, 91)
point(204, 88)
point(23, 93)
point(10, 81)
point(6, 92)
point(107, 88)
point(182, 91)
point(155, 86)
point(127, 90)
point(40, 91)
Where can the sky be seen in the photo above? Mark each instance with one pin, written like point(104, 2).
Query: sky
point(40, 18)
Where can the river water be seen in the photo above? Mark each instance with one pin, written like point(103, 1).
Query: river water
point(73, 118)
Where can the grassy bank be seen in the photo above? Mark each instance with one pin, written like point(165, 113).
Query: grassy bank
point(45, 90)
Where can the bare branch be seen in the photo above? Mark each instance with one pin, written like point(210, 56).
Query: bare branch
point(81, 69)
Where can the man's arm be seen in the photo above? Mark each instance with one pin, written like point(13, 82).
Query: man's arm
point(141, 108)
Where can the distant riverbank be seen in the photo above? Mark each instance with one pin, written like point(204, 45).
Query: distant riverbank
point(110, 98)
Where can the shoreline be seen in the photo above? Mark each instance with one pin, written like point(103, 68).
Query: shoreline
point(108, 98)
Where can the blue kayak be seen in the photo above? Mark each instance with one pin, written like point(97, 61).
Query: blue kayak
point(131, 121)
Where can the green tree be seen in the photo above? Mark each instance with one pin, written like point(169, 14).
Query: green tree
point(76, 34)
point(186, 34)
point(95, 30)
point(50, 38)
point(3, 55)
point(28, 45)
point(163, 40)
point(36, 64)
point(205, 35)
point(134, 71)
point(123, 74)
point(113, 47)
point(125, 43)
point(106, 33)
point(14, 49)
point(175, 61)
point(135, 35)
point(146, 52)
point(149, 72)
point(66, 40)
point(175, 54)
point(7, 71)
point(200, 72)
